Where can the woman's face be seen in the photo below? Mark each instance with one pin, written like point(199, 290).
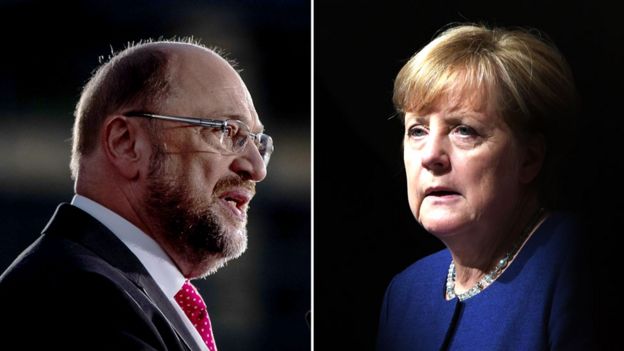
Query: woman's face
point(464, 167)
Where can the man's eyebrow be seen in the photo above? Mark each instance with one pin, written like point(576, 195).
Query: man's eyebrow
point(259, 128)
point(244, 119)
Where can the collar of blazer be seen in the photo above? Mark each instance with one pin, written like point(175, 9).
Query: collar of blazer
point(74, 224)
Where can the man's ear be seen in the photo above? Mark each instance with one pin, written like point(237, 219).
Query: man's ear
point(125, 145)
point(533, 160)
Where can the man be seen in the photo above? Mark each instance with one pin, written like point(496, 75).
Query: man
point(167, 149)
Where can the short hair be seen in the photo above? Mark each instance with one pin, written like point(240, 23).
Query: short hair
point(524, 77)
point(137, 78)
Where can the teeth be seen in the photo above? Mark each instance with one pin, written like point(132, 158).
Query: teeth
point(232, 202)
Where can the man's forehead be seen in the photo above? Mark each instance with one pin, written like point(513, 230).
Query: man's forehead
point(232, 102)
point(212, 88)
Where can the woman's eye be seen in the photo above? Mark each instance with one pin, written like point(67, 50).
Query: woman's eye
point(416, 132)
point(465, 131)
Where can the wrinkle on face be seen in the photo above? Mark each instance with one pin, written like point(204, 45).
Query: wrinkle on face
point(188, 179)
point(483, 172)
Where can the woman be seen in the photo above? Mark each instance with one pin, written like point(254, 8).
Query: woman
point(487, 116)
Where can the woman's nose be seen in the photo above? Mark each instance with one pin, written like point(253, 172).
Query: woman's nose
point(435, 155)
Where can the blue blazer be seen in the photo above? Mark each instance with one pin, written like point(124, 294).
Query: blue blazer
point(78, 287)
point(541, 302)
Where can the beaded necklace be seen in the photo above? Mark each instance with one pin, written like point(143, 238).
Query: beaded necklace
point(492, 275)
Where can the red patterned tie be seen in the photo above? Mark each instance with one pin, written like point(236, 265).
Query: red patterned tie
point(193, 305)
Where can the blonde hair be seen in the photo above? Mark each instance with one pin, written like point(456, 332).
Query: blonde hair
point(521, 75)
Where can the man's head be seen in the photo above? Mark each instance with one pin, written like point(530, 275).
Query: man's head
point(183, 184)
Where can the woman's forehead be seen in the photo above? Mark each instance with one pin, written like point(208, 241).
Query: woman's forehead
point(452, 85)
point(458, 98)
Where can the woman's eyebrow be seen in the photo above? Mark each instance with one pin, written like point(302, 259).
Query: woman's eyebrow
point(417, 118)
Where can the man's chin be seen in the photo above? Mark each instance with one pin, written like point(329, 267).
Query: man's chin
point(234, 222)
point(207, 267)
point(210, 265)
point(233, 246)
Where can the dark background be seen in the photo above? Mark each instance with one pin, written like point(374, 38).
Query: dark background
point(49, 49)
point(364, 230)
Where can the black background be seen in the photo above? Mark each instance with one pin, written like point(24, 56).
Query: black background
point(364, 230)
point(49, 48)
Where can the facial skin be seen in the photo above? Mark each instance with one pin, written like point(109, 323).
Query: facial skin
point(466, 172)
point(198, 196)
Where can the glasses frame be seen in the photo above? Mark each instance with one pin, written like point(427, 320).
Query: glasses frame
point(257, 138)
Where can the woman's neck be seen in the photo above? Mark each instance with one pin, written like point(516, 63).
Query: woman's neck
point(477, 254)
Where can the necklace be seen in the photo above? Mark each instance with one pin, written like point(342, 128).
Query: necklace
point(492, 275)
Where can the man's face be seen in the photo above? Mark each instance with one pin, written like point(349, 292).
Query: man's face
point(198, 194)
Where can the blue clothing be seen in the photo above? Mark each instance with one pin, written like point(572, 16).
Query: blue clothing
point(540, 302)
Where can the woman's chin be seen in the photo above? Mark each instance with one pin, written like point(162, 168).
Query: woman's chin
point(445, 226)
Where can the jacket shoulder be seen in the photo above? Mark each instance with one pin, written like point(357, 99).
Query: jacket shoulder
point(426, 269)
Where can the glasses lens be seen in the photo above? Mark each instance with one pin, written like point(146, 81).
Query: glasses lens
point(265, 146)
point(235, 138)
point(227, 138)
point(216, 138)
point(236, 134)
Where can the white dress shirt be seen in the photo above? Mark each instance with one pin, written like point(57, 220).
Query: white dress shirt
point(152, 256)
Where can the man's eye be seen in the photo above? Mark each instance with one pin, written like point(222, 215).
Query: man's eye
point(210, 132)
point(231, 130)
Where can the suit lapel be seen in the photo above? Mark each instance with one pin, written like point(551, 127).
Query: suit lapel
point(71, 222)
point(158, 298)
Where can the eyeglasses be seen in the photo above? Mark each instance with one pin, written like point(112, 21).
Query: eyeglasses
point(231, 135)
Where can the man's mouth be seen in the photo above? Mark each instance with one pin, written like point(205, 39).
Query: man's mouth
point(237, 200)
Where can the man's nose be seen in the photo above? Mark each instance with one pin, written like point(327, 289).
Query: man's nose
point(249, 164)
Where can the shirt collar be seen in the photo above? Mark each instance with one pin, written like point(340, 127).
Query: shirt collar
point(158, 264)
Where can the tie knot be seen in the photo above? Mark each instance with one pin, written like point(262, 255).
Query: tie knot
point(189, 299)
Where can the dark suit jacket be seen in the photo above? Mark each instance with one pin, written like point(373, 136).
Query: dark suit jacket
point(79, 287)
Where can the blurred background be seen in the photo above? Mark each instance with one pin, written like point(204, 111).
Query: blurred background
point(364, 230)
point(257, 302)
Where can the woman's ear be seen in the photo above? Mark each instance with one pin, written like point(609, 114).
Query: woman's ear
point(533, 159)
point(125, 145)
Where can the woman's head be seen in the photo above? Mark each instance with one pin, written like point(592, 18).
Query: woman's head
point(524, 79)
point(513, 90)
